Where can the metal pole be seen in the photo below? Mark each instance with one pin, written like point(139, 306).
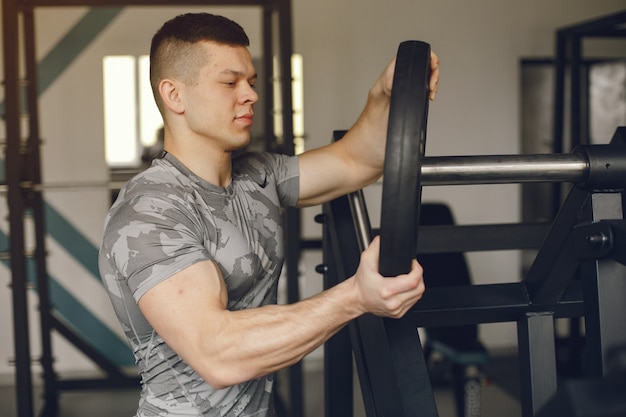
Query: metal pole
point(461, 170)
point(292, 215)
point(35, 200)
point(361, 220)
point(538, 381)
point(502, 169)
point(604, 284)
point(13, 158)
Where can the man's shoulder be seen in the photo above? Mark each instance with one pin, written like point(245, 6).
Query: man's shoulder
point(159, 177)
point(154, 188)
point(261, 164)
point(257, 157)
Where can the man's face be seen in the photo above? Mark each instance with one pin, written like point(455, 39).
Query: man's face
point(219, 105)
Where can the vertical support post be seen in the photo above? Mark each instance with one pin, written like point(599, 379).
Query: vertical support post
point(537, 359)
point(268, 80)
point(338, 371)
point(292, 215)
point(559, 93)
point(33, 171)
point(345, 251)
point(285, 52)
point(576, 111)
point(558, 133)
point(604, 283)
point(13, 158)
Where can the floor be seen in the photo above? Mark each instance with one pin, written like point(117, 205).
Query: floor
point(499, 396)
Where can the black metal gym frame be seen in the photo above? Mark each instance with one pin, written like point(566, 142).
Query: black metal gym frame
point(570, 98)
point(555, 264)
point(588, 235)
point(571, 119)
point(24, 195)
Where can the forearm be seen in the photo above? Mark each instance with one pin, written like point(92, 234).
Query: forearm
point(350, 163)
point(365, 141)
point(255, 342)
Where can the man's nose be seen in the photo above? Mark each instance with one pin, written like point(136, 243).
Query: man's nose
point(250, 95)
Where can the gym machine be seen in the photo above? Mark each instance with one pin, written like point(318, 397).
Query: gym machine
point(579, 271)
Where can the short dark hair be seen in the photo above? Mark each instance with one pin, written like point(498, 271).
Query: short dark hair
point(196, 27)
point(173, 45)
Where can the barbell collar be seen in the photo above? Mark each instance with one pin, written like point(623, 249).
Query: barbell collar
point(606, 167)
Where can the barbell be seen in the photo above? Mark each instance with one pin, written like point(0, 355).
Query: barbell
point(406, 170)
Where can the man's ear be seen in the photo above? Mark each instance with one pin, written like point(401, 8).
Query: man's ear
point(170, 94)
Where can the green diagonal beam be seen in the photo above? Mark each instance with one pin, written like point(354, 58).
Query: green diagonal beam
point(85, 323)
point(73, 44)
point(72, 240)
point(75, 41)
point(69, 238)
point(81, 318)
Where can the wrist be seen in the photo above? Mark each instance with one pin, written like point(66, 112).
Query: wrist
point(346, 296)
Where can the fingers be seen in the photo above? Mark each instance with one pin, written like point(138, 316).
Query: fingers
point(433, 84)
point(434, 75)
point(388, 296)
point(404, 291)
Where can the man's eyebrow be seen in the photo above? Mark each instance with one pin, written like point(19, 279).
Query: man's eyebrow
point(238, 73)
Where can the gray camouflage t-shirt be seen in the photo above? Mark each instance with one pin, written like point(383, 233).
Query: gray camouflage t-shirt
point(166, 219)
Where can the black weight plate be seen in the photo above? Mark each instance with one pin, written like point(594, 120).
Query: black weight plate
point(406, 141)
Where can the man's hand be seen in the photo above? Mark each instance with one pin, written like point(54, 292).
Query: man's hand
point(433, 85)
point(434, 75)
point(387, 297)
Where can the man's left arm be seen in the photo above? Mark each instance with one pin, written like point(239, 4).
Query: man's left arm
point(357, 159)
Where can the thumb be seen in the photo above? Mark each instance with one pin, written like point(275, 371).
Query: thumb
point(388, 77)
point(372, 253)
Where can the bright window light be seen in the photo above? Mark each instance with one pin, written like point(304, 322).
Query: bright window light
point(150, 120)
point(131, 118)
point(297, 97)
point(298, 103)
point(120, 114)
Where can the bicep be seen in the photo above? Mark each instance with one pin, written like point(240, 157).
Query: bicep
point(183, 308)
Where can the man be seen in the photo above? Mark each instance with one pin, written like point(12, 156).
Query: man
point(192, 248)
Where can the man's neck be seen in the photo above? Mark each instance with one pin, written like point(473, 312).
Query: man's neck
point(212, 165)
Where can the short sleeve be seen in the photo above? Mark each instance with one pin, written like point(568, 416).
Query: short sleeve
point(288, 181)
point(283, 170)
point(154, 238)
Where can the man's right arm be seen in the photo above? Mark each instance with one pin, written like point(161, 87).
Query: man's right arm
point(225, 347)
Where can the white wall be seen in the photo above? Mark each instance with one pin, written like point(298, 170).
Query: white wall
point(345, 46)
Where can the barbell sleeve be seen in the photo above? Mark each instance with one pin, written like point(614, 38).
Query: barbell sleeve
point(597, 167)
point(503, 169)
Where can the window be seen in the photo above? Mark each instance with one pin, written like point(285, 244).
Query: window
point(131, 118)
point(297, 96)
